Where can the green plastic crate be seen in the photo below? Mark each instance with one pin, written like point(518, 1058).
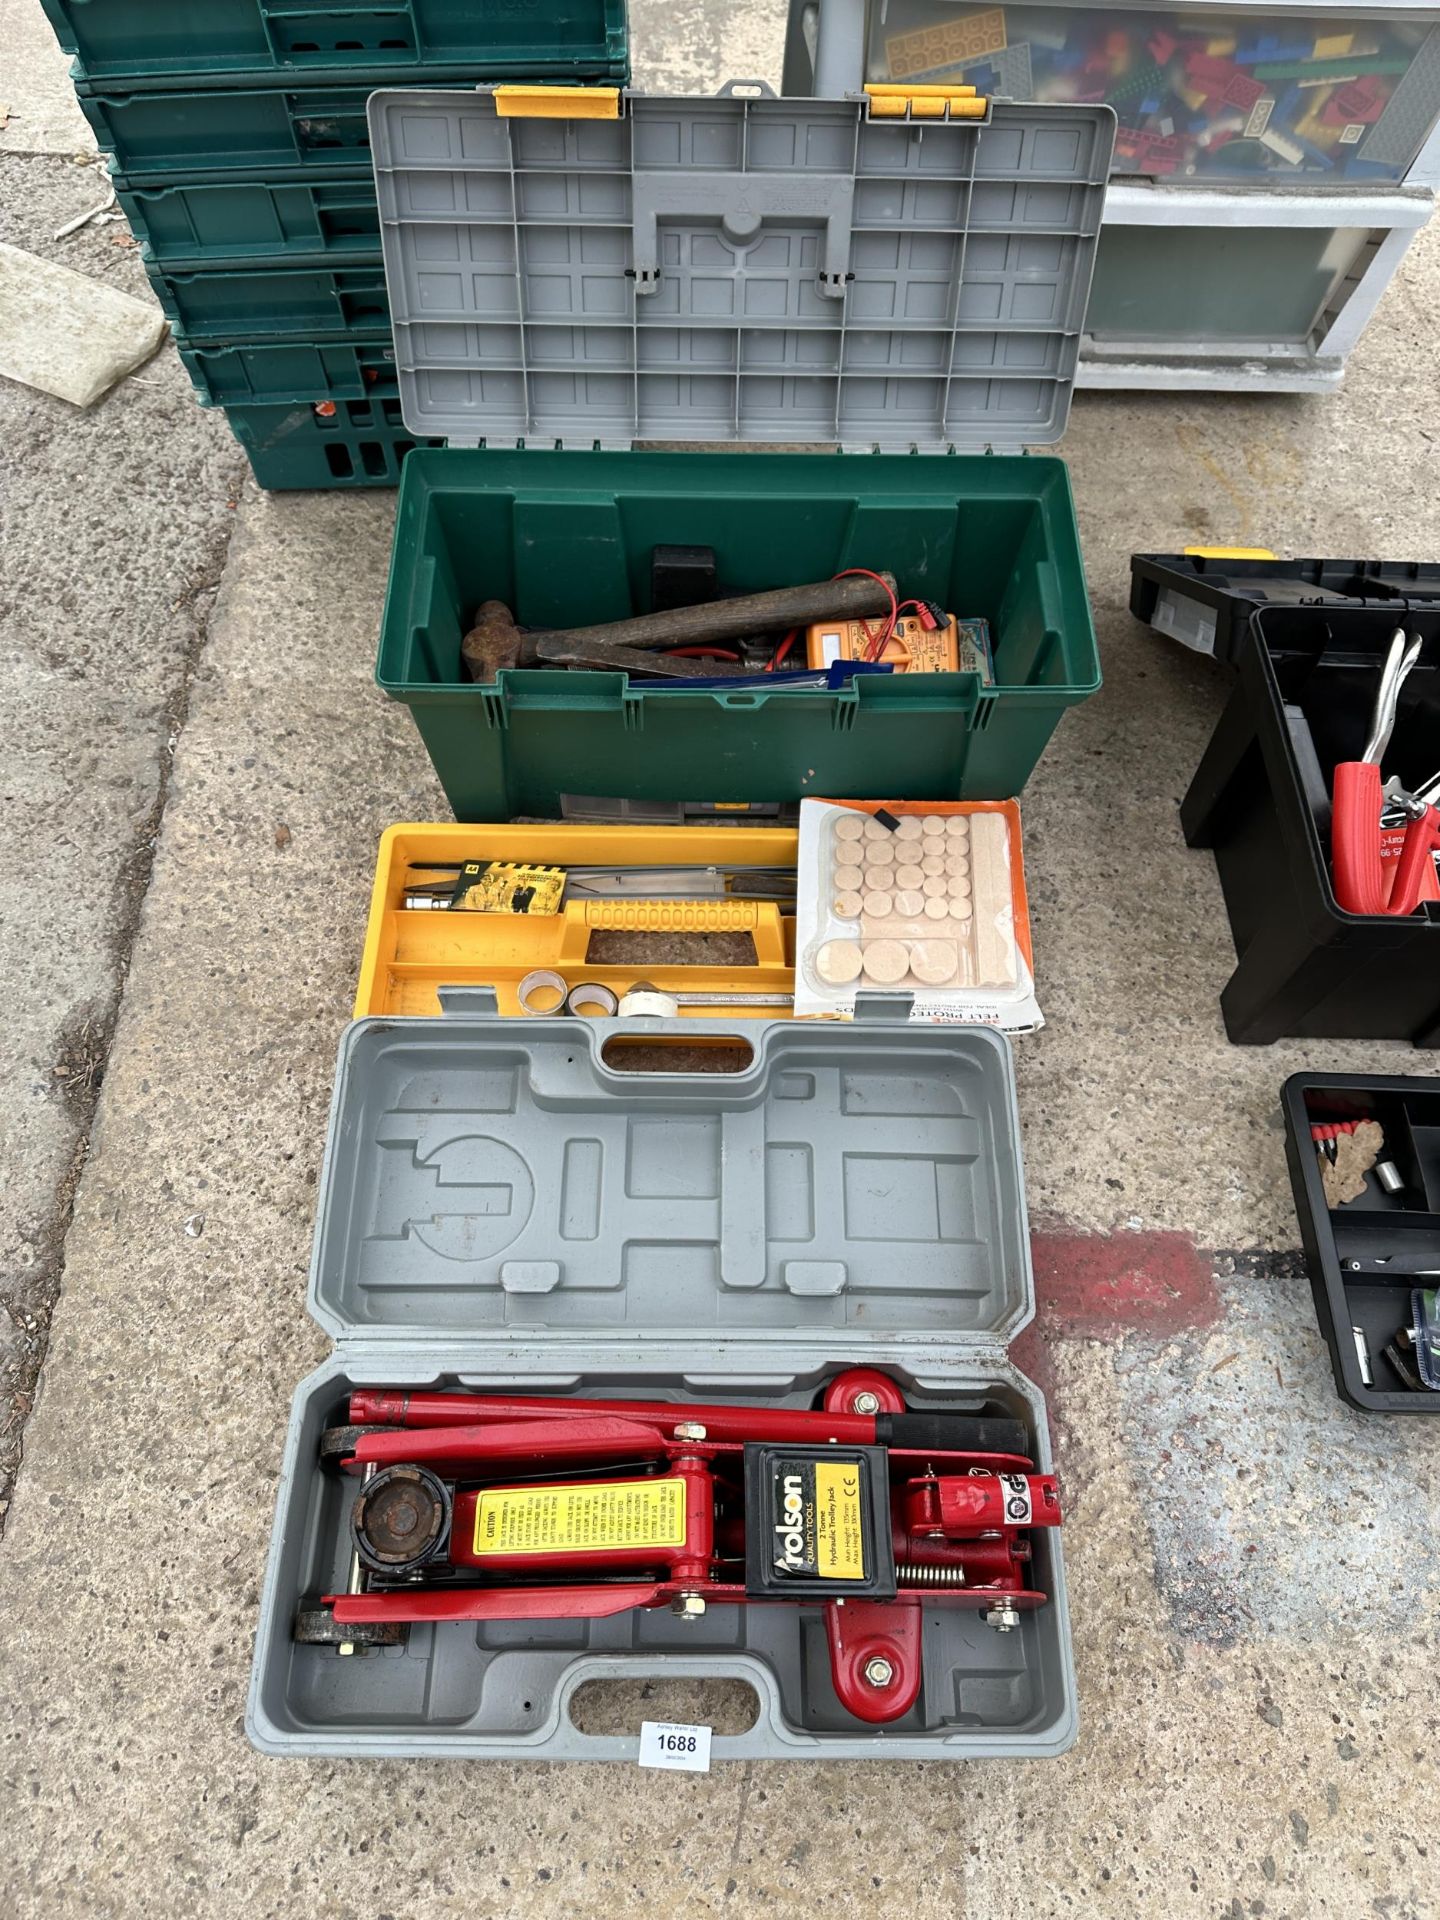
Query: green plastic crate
point(228, 223)
point(293, 371)
point(564, 538)
point(349, 443)
point(154, 43)
point(282, 133)
point(256, 303)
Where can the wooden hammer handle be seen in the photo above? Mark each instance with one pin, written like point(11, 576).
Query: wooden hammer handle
point(716, 620)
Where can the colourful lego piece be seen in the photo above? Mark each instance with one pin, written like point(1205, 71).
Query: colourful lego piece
point(1136, 84)
point(1362, 102)
point(1242, 92)
point(1271, 49)
point(1259, 117)
point(1315, 70)
point(1281, 143)
point(948, 44)
point(1150, 152)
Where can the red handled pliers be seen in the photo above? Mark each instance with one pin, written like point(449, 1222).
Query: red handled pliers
point(1360, 800)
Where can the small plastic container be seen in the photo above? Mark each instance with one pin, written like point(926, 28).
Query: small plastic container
point(1367, 1257)
point(159, 43)
point(1306, 967)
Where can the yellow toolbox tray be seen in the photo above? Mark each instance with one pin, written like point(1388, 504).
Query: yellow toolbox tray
point(409, 955)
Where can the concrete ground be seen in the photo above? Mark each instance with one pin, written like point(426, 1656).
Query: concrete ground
point(198, 770)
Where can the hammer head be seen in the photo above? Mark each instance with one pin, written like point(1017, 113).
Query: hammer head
point(492, 643)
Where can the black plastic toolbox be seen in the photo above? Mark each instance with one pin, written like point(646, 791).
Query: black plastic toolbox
point(1306, 967)
point(1366, 1257)
point(1205, 600)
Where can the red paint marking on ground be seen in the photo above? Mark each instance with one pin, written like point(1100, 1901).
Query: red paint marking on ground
point(1093, 1285)
point(1031, 1354)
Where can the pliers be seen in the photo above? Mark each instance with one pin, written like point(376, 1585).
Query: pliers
point(1360, 880)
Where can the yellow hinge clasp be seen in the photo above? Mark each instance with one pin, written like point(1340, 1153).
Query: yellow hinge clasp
point(557, 103)
point(1229, 553)
point(894, 100)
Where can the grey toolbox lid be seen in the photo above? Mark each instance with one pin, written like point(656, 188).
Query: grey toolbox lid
point(490, 1181)
point(737, 269)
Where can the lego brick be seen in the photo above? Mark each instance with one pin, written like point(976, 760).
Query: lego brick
point(1136, 84)
point(1259, 117)
point(1363, 101)
point(1401, 129)
point(1150, 152)
point(1268, 47)
point(927, 48)
point(1317, 70)
point(1281, 143)
point(1005, 73)
point(1242, 92)
point(1011, 67)
point(1200, 67)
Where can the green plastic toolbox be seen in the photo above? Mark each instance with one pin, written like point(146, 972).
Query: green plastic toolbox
point(735, 270)
point(155, 43)
point(235, 223)
point(312, 371)
point(265, 303)
point(343, 443)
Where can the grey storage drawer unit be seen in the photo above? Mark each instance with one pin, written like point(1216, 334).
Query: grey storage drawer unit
point(503, 1209)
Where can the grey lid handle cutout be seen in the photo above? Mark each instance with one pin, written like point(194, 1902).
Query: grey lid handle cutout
point(746, 90)
point(467, 999)
point(883, 1006)
point(742, 202)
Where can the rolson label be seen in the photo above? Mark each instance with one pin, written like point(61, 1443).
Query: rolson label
point(818, 1525)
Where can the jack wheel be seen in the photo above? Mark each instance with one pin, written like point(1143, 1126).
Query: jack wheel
point(318, 1627)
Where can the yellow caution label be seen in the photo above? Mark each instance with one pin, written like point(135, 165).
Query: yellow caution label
point(839, 1535)
point(582, 1518)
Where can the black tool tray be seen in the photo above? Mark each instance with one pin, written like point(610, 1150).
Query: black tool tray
point(1366, 1256)
point(1206, 600)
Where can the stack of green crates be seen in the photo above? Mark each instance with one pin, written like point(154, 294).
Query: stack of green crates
point(241, 158)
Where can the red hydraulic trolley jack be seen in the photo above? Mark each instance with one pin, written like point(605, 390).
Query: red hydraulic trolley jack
point(475, 1507)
